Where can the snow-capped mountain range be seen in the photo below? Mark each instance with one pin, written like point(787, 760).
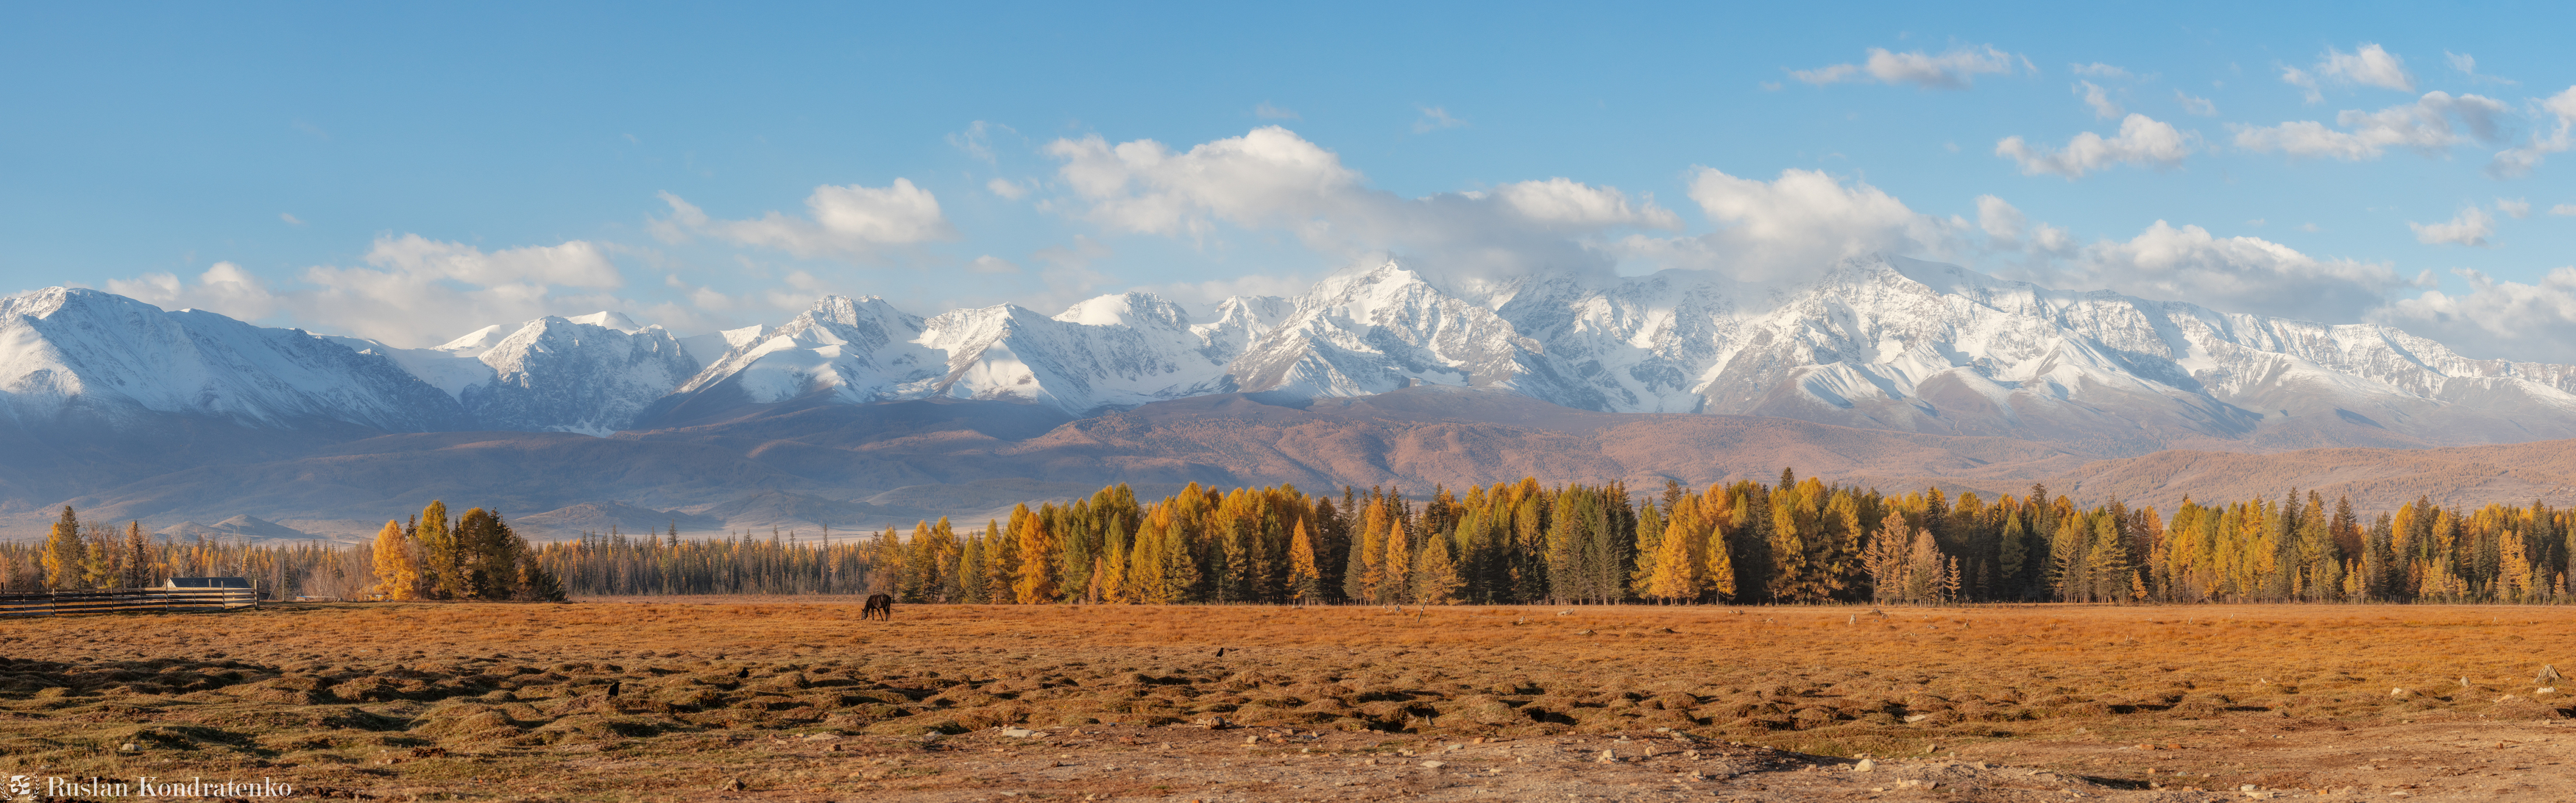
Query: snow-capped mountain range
point(1883, 343)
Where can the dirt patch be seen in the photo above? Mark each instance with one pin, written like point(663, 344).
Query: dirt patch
point(796, 700)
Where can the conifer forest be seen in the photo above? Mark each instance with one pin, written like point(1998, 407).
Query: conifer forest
point(1795, 541)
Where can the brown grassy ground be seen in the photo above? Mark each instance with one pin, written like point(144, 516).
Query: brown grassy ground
point(788, 699)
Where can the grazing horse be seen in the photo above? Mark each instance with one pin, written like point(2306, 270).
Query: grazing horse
point(880, 606)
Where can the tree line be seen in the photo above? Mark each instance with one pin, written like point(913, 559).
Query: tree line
point(1794, 541)
point(473, 557)
point(76, 554)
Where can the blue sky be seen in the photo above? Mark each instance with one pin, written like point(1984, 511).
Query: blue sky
point(412, 174)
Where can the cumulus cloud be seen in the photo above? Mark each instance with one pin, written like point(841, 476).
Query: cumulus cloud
point(2563, 209)
point(2471, 227)
point(1270, 178)
point(2098, 70)
point(2559, 109)
point(2495, 319)
point(2518, 208)
point(1956, 69)
point(2368, 65)
point(841, 221)
point(2103, 106)
point(1793, 225)
point(2198, 106)
point(412, 291)
point(2238, 274)
point(2142, 141)
point(1565, 202)
point(2431, 124)
point(2007, 228)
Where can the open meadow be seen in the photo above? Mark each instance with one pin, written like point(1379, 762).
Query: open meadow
point(787, 698)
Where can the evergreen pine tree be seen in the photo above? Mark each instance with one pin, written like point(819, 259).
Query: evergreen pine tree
point(138, 556)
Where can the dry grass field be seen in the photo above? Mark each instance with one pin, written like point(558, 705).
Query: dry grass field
point(789, 699)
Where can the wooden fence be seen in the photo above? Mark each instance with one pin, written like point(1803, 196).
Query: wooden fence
point(119, 600)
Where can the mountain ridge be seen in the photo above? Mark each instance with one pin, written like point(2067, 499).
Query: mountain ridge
point(158, 414)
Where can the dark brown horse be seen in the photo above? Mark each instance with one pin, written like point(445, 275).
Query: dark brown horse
point(880, 606)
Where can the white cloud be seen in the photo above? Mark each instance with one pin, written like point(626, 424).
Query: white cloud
point(1435, 118)
point(2103, 106)
point(1793, 225)
point(2563, 209)
point(1956, 69)
point(1007, 188)
point(290, 220)
point(413, 291)
point(2198, 106)
point(2471, 227)
point(1272, 179)
point(2510, 320)
point(2007, 228)
point(2427, 125)
point(2098, 70)
point(2238, 274)
point(224, 288)
point(843, 221)
point(2518, 208)
point(991, 264)
point(2368, 65)
point(2141, 141)
point(1567, 202)
point(1268, 112)
point(2515, 162)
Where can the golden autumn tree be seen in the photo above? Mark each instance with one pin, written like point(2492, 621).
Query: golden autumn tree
point(1676, 576)
point(1304, 583)
point(1436, 581)
point(397, 563)
point(1034, 582)
point(64, 552)
point(1397, 568)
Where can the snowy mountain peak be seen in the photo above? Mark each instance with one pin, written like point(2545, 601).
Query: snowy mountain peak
point(79, 352)
point(1877, 341)
point(474, 343)
point(608, 319)
point(1127, 309)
